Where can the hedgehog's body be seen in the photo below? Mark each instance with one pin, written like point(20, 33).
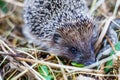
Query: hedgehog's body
point(63, 27)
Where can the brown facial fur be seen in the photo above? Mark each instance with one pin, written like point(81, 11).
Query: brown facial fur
point(73, 41)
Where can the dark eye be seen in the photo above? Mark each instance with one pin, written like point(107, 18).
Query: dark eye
point(56, 38)
point(73, 50)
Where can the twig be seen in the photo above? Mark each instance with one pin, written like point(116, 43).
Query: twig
point(97, 5)
point(57, 65)
point(103, 32)
point(110, 43)
point(62, 69)
point(114, 56)
point(16, 3)
point(35, 73)
point(2, 42)
point(119, 73)
point(93, 6)
point(22, 73)
point(116, 7)
point(105, 75)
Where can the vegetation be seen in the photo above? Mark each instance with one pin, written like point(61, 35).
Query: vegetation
point(20, 59)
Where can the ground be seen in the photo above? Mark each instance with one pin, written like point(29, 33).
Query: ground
point(20, 59)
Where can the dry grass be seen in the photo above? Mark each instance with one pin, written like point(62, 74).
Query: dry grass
point(20, 60)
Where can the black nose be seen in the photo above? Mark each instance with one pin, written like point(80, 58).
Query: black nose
point(89, 62)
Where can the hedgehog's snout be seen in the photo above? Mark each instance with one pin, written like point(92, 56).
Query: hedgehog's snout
point(86, 61)
point(86, 58)
point(91, 61)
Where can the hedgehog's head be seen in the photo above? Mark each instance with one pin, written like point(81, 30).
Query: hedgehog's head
point(74, 41)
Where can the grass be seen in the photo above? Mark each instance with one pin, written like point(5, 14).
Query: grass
point(22, 60)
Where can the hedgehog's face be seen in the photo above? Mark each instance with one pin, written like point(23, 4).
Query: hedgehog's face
point(76, 50)
point(74, 42)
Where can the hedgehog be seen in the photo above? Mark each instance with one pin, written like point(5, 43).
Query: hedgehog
point(62, 27)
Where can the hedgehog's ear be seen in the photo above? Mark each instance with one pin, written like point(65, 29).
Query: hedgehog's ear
point(56, 38)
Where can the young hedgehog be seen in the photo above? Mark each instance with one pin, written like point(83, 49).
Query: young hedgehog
point(62, 27)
